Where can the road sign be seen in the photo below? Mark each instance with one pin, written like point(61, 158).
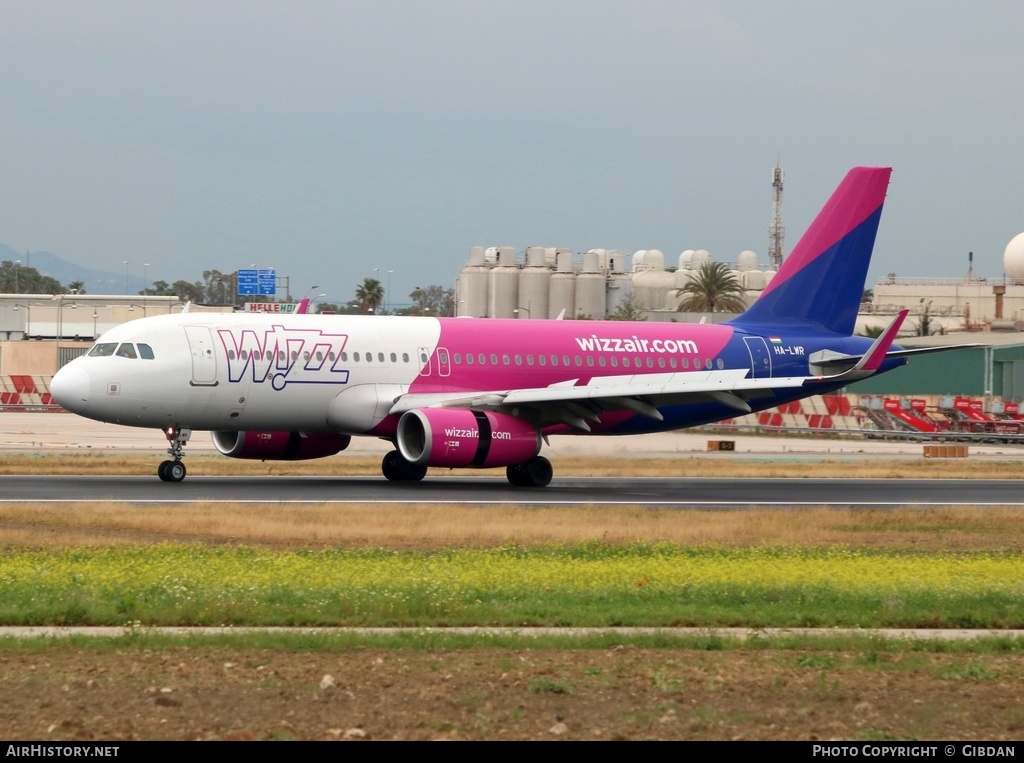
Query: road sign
point(261, 281)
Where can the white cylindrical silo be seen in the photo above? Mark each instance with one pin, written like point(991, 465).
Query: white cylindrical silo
point(698, 258)
point(477, 256)
point(617, 262)
point(562, 295)
point(753, 280)
point(473, 289)
point(618, 291)
point(651, 287)
point(503, 284)
point(746, 261)
point(534, 285)
point(590, 300)
point(601, 257)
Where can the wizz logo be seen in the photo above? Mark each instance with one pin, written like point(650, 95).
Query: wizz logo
point(284, 356)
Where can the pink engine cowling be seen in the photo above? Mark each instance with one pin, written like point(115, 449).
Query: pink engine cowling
point(280, 446)
point(457, 437)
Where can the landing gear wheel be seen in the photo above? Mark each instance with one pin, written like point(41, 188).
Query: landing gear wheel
point(176, 471)
point(536, 472)
point(397, 469)
point(173, 470)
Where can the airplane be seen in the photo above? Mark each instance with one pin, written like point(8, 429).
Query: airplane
point(483, 393)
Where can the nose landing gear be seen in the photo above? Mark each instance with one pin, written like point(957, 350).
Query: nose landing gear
point(173, 470)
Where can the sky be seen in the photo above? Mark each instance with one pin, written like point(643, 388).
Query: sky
point(340, 140)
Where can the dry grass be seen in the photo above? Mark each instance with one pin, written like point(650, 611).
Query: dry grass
point(432, 526)
point(437, 527)
point(683, 466)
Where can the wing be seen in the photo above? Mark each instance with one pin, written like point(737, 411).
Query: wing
point(572, 403)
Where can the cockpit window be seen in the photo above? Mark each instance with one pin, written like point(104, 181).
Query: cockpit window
point(103, 350)
point(146, 352)
point(127, 350)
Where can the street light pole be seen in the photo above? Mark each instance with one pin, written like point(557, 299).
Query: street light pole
point(17, 266)
point(28, 319)
point(126, 277)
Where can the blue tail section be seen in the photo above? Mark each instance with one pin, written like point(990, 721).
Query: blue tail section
point(821, 282)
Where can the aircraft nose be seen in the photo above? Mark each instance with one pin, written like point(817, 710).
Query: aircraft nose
point(70, 387)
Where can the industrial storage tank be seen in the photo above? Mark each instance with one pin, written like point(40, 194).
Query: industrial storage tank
point(617, 262)
point(503, 284)
point(753, 280)
point(698, 258)
point(562, 295)
point(684, 259)
point(600, 256)
point(673, 299)
point(652, 284)
point(618, 291)
point(746, 261)
point(473, 285)
point(534, 285)
point(648, 259)
point(590, 288)
point(1013, 258)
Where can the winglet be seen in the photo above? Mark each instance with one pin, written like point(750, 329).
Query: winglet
point(873, 358)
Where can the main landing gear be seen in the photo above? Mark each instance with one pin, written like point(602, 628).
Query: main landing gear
point(397, 469)
point(536, 472)
point(174, 470)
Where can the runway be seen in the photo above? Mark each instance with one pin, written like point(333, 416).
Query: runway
point(56, 433)
point(654, 493)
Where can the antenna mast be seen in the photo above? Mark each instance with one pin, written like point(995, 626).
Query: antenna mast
point(777, 232)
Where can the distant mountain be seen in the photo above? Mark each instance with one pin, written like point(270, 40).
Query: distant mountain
point(96, 281)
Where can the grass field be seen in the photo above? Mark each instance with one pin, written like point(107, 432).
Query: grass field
point(359, 564)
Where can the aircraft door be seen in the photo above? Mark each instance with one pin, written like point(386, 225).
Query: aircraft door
point(204, 359)
point(760, 358)
point(423, 353)
point(444, 364)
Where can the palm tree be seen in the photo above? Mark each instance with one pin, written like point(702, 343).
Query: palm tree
point(713, 290)
point(369, 295)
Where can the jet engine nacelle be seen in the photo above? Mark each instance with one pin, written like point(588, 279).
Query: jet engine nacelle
point(456, 437)
point(280, 446)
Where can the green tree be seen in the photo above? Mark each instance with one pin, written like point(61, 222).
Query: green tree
point(328, 307)
point(433, 300)
point(924, 323)
point(713, 290)
point(369, 295)
point(872, 332)
point(19, 279)
point(629, 310)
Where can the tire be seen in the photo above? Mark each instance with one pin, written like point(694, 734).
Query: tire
point(536, 472)
point(175, 471)
point(397, 469)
